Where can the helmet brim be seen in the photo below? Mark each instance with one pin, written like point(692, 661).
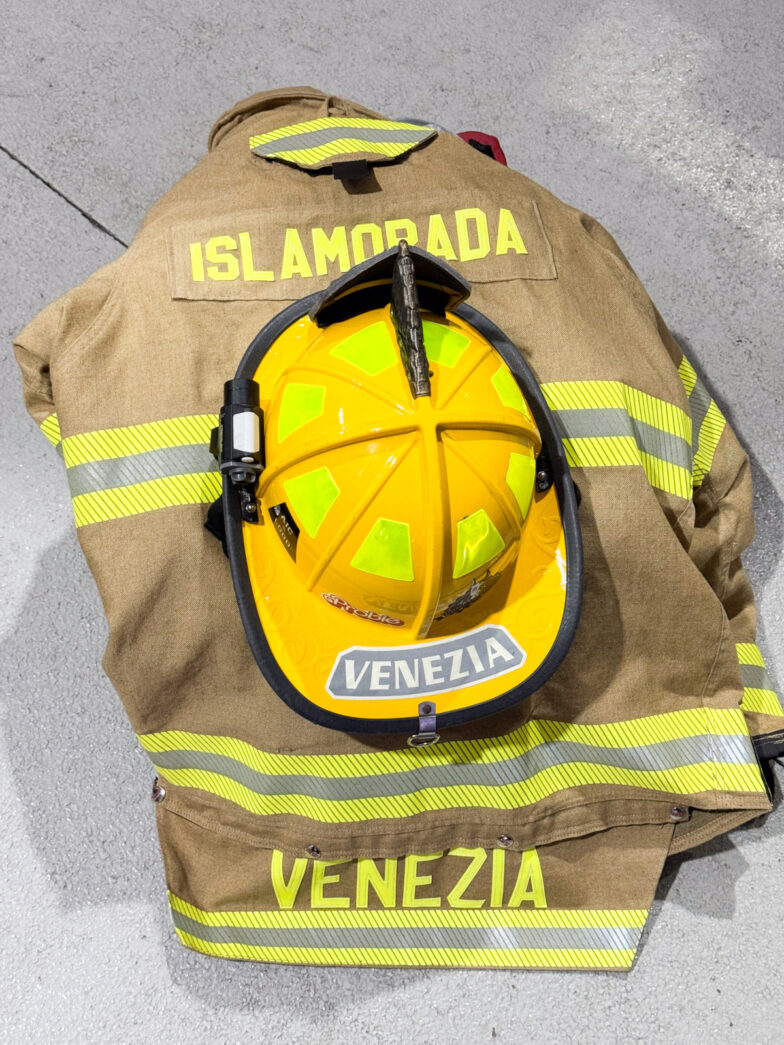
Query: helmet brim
point(506, 645)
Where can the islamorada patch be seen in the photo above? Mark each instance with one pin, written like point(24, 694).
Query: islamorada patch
point(393, 672)
point(263, 255)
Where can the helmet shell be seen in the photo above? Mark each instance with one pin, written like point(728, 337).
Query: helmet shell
point(417, 557)
point(405, 506)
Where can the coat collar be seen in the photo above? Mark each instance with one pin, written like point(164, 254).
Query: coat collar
point(295, 103)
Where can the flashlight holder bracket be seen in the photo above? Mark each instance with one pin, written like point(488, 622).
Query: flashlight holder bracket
point(238, 442)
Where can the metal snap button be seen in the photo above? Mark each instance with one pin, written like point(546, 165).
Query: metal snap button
point(678, 813)
point(505, 841)
point(158, 792)
point(313, 850)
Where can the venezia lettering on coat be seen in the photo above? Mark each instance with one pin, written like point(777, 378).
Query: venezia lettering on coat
point(466, 234)
point(474, 881)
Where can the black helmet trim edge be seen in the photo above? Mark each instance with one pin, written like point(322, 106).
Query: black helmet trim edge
point(567, 501)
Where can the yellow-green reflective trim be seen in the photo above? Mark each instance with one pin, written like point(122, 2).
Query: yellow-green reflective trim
point(335, 122)
point(386, 551)
point(708, 420)
point(686, 780)
point(666, 476)
point(575, 395)
point(442, 344)
point(520, 478)
point(442, 957)
point(50, 426)
point(688, 375)
point(759, 699)
point(136, 439)
point(478, 542)
point(607, 451)
point(710, 433)
point(420, 918)
point(316, 142)
point(560, 758)
point(371, 934)
point(311, 496)
point(299, 405)
point(630, 733)
point(667, 468)
point(341, 146)
point(503, 381)
point(164, 491)
point(369, 350)
point(749, 653)
point(167, 492)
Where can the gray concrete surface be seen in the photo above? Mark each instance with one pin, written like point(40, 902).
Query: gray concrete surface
point(662, 119)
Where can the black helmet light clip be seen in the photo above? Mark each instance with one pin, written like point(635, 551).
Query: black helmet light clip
point(237, 443)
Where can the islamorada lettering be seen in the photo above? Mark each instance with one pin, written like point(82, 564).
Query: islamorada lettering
point(485, 880)
point(465, 234)
point(365, 672)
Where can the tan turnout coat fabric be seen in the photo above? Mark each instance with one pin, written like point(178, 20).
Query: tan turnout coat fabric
point(534, 838)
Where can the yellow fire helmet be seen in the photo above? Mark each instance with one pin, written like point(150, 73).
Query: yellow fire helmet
point(399, 515)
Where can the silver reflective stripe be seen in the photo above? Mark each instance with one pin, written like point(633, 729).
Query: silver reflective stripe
point(601, 422)
point(139, 468)
point(669, 754)
point(754, 676)
point(699, 401)
point(315, 139)
point(410, 937)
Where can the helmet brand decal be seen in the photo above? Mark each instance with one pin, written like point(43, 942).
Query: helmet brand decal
point(391, 672)
point(469, 597)
point(379, 618)
point(286, 528)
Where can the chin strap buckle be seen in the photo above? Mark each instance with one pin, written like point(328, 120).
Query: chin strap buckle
point(427, 727)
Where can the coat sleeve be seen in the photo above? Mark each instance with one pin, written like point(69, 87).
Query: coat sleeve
point(723, 523)
point(51, 335)
point(723, 529)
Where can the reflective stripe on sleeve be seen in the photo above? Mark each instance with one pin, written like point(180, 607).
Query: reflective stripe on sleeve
point(606, 423)
point(124, 471)
point(680, 753)
point(94, 476)
point(316, 142)
point(200, 488)
point(707, 421)
point(119, 472)
point(50, 426)
point(109, 443)
point(478, 938)
point(759, 692)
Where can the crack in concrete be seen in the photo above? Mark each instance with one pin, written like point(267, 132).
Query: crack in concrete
point(93, 221)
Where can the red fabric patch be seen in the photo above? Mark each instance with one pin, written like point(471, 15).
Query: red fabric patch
point(487, 140)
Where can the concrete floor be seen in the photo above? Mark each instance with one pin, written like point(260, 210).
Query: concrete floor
point(663, 120)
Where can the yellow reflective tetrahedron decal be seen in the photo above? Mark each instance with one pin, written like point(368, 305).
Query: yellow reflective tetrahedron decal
point(478, 541)
point(299, 404)
point(370, 350)
point(386, 551)
point(311, 496)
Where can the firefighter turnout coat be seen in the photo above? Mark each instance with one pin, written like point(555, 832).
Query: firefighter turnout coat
point(532, 838)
